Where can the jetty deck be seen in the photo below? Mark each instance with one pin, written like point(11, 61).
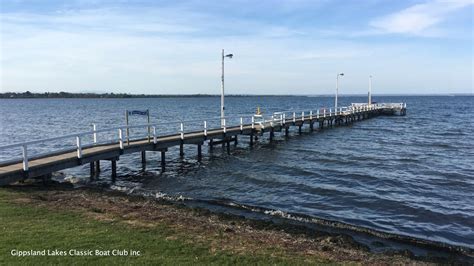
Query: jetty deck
point(42, 166)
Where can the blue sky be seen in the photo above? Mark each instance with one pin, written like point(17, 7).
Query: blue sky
point(280, 47)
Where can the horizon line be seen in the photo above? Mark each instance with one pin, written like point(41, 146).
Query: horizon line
point(239, 95)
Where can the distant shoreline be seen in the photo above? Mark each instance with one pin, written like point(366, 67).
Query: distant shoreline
point(67, 95)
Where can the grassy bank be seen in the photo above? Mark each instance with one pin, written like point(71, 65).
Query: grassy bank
point(68, 219)
point(27, 228)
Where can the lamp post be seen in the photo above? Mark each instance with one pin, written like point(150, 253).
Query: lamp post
point(222, 87)
point(370, 89)
point(337, 89)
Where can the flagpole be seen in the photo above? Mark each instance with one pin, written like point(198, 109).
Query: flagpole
point(222, 91)
point(126, 121)
point(148, 120)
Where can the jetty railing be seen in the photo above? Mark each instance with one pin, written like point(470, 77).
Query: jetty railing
point(122, 135)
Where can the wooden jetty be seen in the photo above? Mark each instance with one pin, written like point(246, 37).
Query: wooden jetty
point(42, 166)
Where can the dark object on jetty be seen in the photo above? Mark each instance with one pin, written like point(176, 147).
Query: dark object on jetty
point(39, 167)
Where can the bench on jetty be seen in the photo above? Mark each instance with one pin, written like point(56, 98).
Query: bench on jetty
point(43, 165)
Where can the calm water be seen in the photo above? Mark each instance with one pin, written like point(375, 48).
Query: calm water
point(411, 175)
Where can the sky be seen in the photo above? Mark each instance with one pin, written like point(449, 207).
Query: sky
point(279, 47)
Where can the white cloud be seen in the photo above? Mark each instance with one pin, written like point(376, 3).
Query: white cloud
point(419, 19)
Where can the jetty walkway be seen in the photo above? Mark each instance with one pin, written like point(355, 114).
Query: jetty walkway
point(44, 164)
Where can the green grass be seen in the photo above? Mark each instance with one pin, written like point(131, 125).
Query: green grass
point(28, 227)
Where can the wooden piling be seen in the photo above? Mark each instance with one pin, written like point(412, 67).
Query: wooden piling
point(114, 170)
point(97, 167)
point(236, 141)
point(199, 152)
point(91, 171)
point(181, 149)
point(163, 160)
point(143, 158)
point(251, 139)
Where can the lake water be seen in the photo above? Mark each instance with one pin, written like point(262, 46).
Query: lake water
point(411, 175)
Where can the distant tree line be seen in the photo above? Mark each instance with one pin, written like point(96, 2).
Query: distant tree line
point(63, 94)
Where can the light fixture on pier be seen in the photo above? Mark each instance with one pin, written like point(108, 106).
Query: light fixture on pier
point(370, 89)
point(337, 89)
point(222, 86)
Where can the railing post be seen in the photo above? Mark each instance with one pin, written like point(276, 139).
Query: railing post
point(253, 122)
point(79, 147)
point(241, 123)
point(223, 124)
point(121, 138)
point(311, 115)
point(324, 112)
point(302, 116)
point(281, 119)
point(94, 129)
point(317, 114)
point(149, 132)
point(284, 118)
point(182, 130)
point(154, 135)
point(205, 128)
point(294, 117)
point(330, 111)
point(128, 135)
point(24, 152)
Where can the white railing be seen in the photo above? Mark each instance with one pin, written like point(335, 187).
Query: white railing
point(124, 136)
point(187, 126)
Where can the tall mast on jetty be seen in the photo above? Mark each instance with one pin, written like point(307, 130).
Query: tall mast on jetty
point(222, 87)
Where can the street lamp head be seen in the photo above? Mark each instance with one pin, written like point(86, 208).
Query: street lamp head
point(229, 55)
